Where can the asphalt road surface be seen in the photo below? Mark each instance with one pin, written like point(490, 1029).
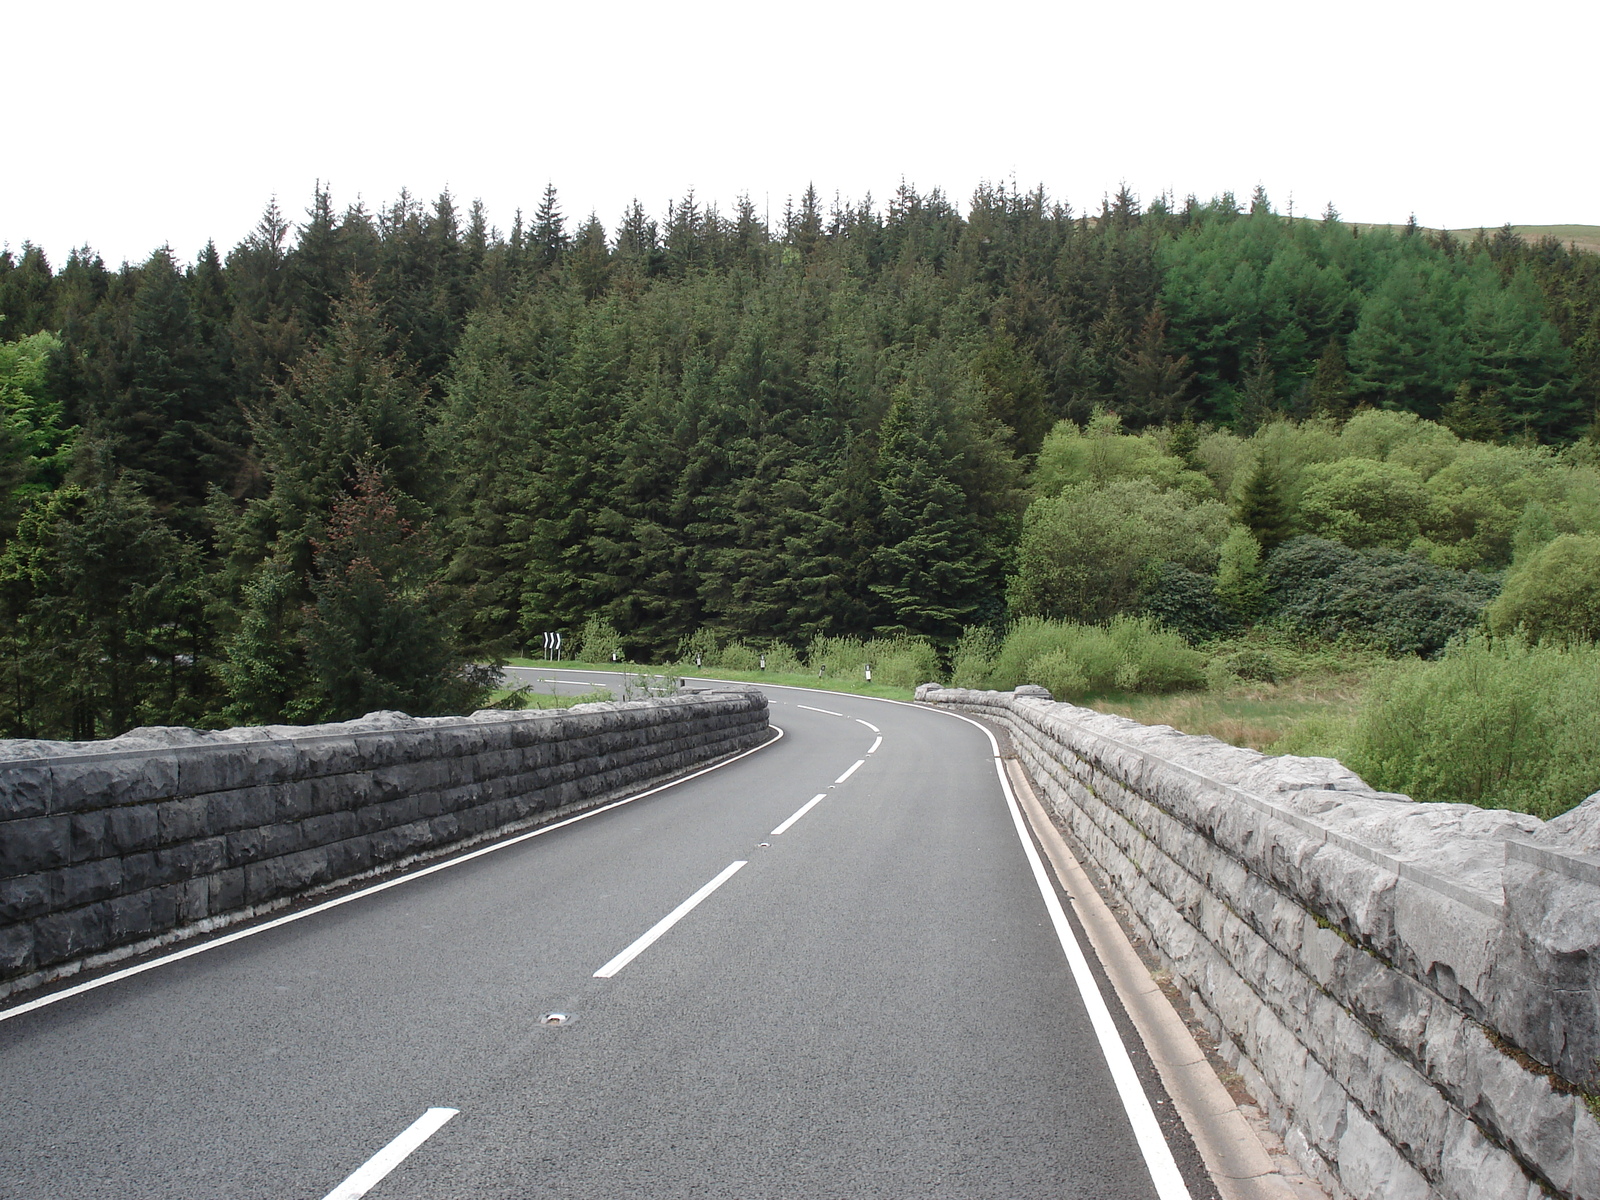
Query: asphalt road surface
point(827, 969)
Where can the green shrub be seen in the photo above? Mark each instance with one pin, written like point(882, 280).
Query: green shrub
point(1553, 594)
point(1185, 601)
point(974, 657)
point(597, 641)
point(1082, 554)
point(1499, 724)
point(896, 661)
point(1130, 654)
point(736, 656)
point(1397, 602)
point(1363, 503)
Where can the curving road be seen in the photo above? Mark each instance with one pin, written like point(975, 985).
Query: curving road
point(827, 969)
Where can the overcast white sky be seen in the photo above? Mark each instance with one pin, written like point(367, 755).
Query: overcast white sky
point(135, 124)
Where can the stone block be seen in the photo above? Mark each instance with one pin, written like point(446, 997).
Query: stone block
point(134, 827)
point(181, 820)
point(24, 897)
point(284, 876)
point(241, 808)
point(34, 844)
point(25, 790)
point(16, 950)
point(91, 835)
point(73, 887)
point(100, 780)
point(64, 936)
point(131, 917)
point(227, 890)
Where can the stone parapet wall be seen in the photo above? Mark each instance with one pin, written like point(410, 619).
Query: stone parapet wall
point(1413, 990)
point(109, 847)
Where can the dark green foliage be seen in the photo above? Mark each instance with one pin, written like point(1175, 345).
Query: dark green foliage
point(1261, 507)
point(375, 637)
point(782, 434)
point(1184, 600)
point(103, 628)
point(1388, 599)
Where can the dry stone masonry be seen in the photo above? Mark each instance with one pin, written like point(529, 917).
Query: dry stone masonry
point(1413, 990)
point(109, 847)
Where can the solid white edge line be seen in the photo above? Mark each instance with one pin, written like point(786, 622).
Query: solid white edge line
point(370, 1173)
point(644, 941)
point(804, 809)
point(869, 724)
point(878, 741)
point(240, 934)
point(809, 708)
point(1152, 1142)
point(851, 771)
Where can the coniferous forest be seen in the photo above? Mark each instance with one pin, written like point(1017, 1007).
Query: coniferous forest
point(345, 463)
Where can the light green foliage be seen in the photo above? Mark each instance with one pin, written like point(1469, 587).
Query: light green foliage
point(1399, 437)
point(1289, 446)
point(1553, 594)
point(34, 448)
point(1101, 453)
point(974, 657)
point(1363, 503)
point(1081, 553)
point(1223, 456)
point(896, 661)
point(1241, 583)
point(1129, 654)
point(598, 641)
point(1498, 724)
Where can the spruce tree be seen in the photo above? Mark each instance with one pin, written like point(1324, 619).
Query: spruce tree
point(1261, 506)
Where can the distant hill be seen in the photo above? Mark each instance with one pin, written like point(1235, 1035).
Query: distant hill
point(1584, 237)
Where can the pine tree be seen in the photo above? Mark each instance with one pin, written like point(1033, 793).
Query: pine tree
point(1152, 383)
point(1261, 506)
point(932, 569)
point(350, 400)
point(375, 637)
point(1329, 391)
point(1258, 399)
point(548, 241)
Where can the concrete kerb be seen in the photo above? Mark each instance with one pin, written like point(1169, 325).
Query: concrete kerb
point(1233, 1153)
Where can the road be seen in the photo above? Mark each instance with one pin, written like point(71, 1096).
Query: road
point(874, 1003)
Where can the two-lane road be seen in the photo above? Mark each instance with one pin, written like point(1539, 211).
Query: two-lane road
point(826, 969)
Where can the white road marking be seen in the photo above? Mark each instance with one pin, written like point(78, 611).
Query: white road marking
point(1146, 1131)
point(667, 922)
point(851, 771)
point(868, 724)
point(829, 711)
point(803, 810)
point(240, 934)
point(878, 741)
point(371, 1172)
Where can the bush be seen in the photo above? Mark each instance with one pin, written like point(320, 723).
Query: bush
point(1397, 602)
point(974, 657)
point(1130, 654)
point(598, 640)
point(1553, 594)
point(1499, 724)
point(1185, 601)
point(1082, 554)
point(1363, 503)
point(897, 661)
